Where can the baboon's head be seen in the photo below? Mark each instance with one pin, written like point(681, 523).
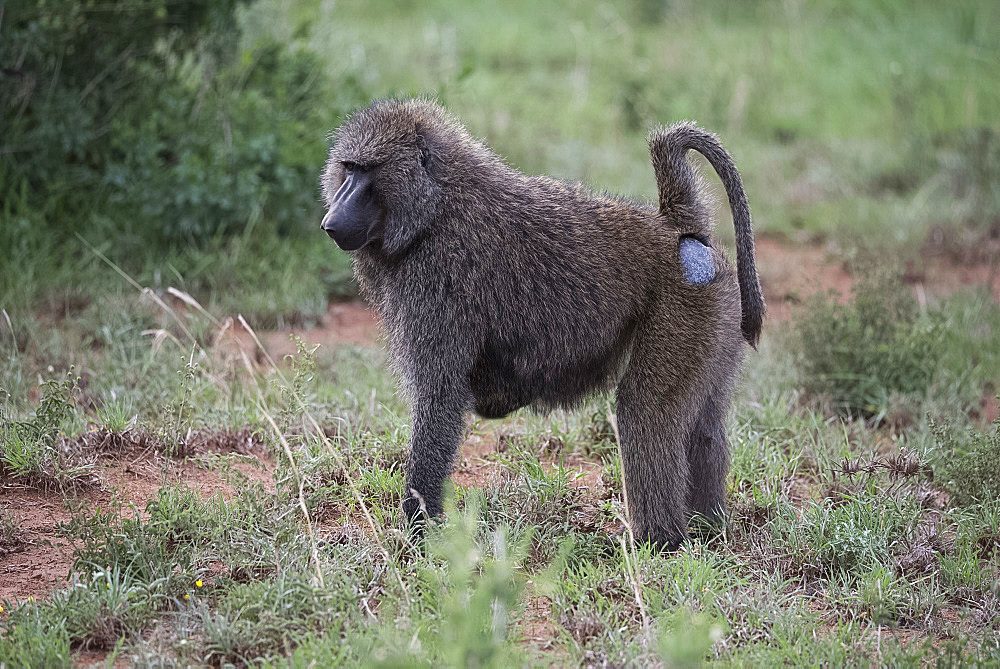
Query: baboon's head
point(382, 179)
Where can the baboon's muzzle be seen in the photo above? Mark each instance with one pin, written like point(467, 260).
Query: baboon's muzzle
point(353, 216)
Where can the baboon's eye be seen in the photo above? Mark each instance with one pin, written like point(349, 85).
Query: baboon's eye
point(349, 166)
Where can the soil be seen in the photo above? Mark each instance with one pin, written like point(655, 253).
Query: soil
point(343, 323)
point(790, 273)
point(39, 560)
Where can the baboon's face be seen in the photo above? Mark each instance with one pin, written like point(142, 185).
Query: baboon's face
point(378, 183)
point(355, 218)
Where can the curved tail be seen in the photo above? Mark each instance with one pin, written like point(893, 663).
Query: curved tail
point(678, 190)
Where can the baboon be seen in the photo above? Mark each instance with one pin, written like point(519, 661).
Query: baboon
point(500, 290)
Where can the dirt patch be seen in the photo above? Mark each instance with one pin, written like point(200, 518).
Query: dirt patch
point(343, 323)
point(40, 561)
point(940, 275)
point(475, 467)
point(790, 273)
point(536, 626)
point(989, 408)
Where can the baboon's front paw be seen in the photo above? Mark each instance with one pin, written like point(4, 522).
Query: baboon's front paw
point(416, 516)
point(665, 542)
point(414, 512)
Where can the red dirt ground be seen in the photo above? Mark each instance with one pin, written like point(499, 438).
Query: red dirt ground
point(790, 273)
point(41, 560)
point(343, 323)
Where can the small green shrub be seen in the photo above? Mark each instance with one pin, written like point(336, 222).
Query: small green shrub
point(110, 605)
point(31, 638)
point(851, 532)
point(861, 353)
point(967, 464)
point(116, 415)
point(855, 536)
point(34, 450)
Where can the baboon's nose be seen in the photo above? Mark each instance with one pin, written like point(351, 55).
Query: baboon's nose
point(326, 221)
point(327, 224)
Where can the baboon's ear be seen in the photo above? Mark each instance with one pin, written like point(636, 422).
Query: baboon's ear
point(427, 144)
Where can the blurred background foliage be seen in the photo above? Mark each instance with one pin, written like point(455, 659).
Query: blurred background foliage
point(154, 117)
point(184, 138)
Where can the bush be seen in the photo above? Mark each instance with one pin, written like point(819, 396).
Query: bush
point(222, 146)
point(861, 353)
point(854, 536)
point(72, 70)
point(967, 464)
point(182, 137)
point(177, 138)
point(35, 450)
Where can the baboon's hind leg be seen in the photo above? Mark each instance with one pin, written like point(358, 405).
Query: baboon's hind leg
point(708, 460)
point(654, 420)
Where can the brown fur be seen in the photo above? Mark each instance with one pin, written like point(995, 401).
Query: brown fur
point(500, 290)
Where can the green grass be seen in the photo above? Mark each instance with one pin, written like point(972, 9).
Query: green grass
point(845, 119)
point(831, 542)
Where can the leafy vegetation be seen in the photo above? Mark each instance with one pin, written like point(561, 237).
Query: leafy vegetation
point(190, 136)
point(968, 465)
point(880, 346)
point(181, 137)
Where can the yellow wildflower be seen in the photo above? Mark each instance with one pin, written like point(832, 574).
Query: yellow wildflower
point(186, 597)
point(198, 583)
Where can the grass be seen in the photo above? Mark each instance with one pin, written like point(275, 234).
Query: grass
point(841, 543)
point(830, 110)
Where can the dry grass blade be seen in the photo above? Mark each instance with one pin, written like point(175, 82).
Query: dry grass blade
point(193, 303)
point(10, 326)
point(260, 347)
point(628, 551)
point(159, 336)
point(302, 499)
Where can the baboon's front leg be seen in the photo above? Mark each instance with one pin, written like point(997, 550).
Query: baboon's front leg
point(654, 456)
point(438, 421)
